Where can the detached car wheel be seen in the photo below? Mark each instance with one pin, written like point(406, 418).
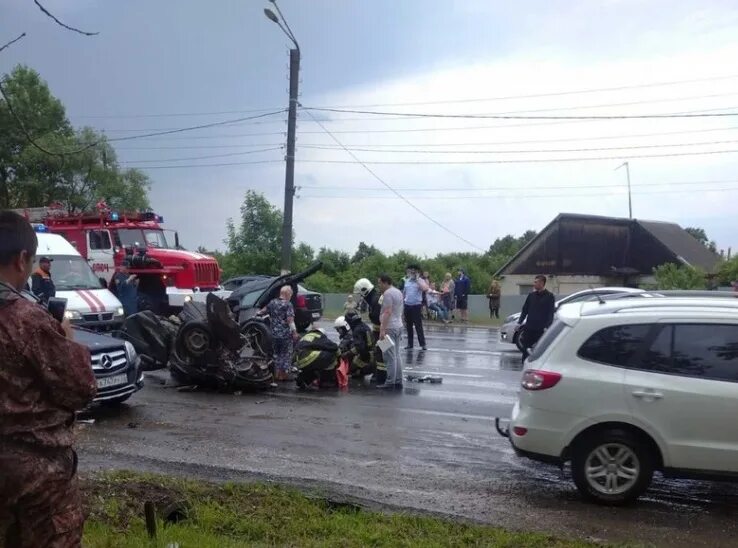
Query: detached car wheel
point(612, 467)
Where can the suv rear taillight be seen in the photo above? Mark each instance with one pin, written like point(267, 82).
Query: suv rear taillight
point(534, 379)
point(301, 301)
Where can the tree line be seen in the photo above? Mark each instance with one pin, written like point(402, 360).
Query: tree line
point(44, 160)
point(253, 246)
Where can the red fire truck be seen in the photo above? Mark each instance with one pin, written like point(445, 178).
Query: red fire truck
point(168, 274)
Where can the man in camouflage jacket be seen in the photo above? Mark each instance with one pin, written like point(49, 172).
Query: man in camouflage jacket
point(44, 378)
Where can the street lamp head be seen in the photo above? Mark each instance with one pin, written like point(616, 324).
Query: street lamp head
point(270, 14)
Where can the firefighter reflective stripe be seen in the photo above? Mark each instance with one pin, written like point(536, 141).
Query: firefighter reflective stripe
point(306, 360)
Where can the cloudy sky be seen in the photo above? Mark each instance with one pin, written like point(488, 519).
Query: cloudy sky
point(178, 63)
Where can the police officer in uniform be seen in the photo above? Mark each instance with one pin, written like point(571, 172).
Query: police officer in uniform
point(44, 378)
point(373, 299)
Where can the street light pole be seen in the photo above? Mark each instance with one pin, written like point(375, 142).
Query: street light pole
point(289, 177)
point(630, 202)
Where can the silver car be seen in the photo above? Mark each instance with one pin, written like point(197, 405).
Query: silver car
point(509, 333)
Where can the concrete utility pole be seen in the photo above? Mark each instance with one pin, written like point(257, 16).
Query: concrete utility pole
point(289, 176)
point(630, 201)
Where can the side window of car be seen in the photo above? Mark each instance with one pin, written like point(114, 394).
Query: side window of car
point(658, 355)
point(706, 350)
point(616, 345)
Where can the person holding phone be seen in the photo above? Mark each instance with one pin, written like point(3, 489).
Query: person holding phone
point(45, 377)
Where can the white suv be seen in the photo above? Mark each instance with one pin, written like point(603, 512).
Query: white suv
point(624, 388)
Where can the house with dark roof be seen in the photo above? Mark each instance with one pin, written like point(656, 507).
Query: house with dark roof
point(581, 251)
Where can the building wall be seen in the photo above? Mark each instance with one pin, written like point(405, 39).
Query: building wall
point(522, 284)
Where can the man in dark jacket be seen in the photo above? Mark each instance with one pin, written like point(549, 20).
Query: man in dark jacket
point(44, 378)
point(538, 310)
point(41, 283)
point(461, 290)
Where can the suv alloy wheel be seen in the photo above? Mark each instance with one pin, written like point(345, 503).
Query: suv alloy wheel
point(612, 467)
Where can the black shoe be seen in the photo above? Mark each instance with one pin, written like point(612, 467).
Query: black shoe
point(385, 386)
point(408, 348)
point(424, 347)
point(398, 386)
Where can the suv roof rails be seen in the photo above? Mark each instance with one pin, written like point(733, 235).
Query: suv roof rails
point(619, 305)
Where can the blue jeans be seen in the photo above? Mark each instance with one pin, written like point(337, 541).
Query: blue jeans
point(393, 357)
point(440, 310)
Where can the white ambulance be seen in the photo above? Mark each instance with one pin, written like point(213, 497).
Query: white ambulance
point(89, 304)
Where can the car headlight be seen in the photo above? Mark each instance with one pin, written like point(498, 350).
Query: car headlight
point(72, 315)
point(188, 298)
point(119, 311)
point(131, 353)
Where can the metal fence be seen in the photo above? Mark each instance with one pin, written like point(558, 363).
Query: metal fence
point(478, 304)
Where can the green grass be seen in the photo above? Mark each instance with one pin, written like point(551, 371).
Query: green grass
point(229, 515)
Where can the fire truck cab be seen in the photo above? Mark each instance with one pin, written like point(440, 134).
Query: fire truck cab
point(168, 275)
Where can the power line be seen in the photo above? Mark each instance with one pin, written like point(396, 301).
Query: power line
point(195, 147)
point(52, 16)
point(527, 187)
point(440, 102)
point(215, 165)
point(389, 187)
point(529, 151)
point(548, 94)
point(535, 117)
point(483, 143)
point(554, 109)
point(531, 141)
point(202, 157)
point(173, 114)
point(523, 161)
point(525, 196)
point(193, 128)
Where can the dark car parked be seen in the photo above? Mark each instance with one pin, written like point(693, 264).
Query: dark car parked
point(115, 363)
point(116, 366)
point(248, 300)
point(234, 283)
point(255, 292)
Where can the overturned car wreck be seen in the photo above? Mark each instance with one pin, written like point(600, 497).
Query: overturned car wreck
point(203, 346)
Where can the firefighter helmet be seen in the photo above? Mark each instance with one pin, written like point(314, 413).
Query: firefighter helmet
point(363, 287)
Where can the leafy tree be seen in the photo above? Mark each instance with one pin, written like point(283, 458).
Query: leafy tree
point(302, 256)
point(31, 177)
point(700, 235)
point(254, 245)
point(363, 252)
point(728, 271)
point(671, 276)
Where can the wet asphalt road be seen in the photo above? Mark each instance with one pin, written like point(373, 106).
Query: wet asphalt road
point(430, 447)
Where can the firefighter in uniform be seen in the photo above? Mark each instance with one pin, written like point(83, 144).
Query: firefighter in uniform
point(316, 357)
point(362, 346)
point(44, 378)
point(373, 299)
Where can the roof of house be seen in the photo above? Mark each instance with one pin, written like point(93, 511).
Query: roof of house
point(596, 245)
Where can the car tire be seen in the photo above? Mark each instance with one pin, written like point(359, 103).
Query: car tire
point(612, 467)
point(516, 339)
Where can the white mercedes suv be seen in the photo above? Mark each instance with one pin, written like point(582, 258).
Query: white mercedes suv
point(624, 388)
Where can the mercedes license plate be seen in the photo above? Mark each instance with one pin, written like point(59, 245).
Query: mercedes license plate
point(115, 380)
